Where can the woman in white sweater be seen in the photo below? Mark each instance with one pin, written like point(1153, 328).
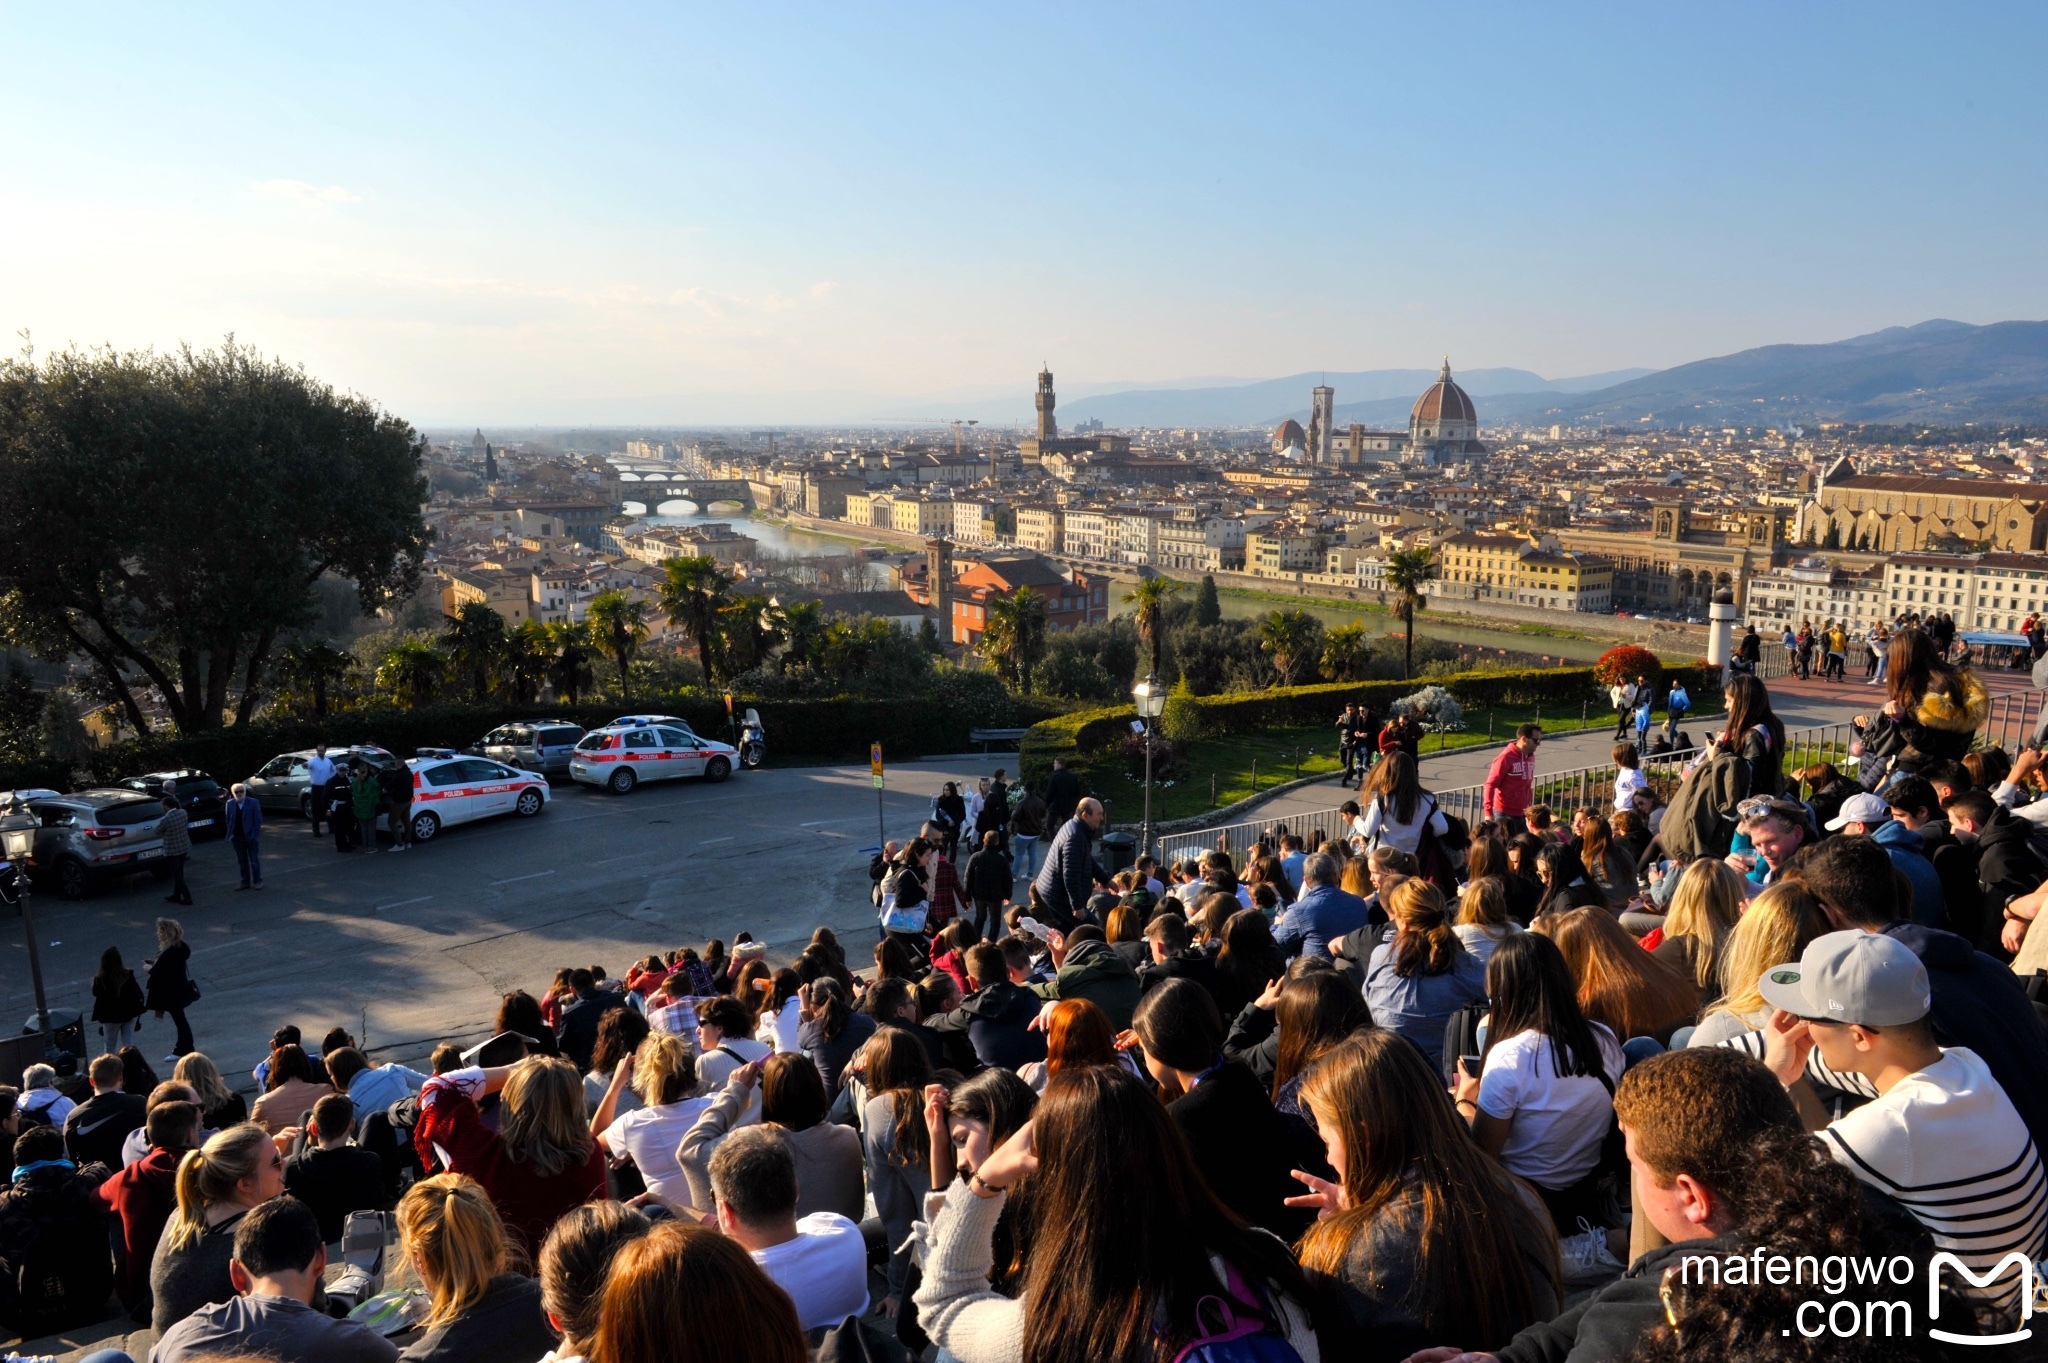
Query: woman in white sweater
point(1397, 808)
point(1141, 1237)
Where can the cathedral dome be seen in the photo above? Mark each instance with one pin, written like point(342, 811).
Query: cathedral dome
point(1443, 401)
point(1289, 433)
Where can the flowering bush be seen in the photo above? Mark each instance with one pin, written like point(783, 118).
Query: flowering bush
point(1434, 708)
point(1625, 664)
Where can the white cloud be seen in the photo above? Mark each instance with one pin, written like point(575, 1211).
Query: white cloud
point(824, 288)
point(299, 191)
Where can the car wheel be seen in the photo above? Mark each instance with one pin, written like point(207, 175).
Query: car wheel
point(717, 769)
point(622, 782)
point(306, 806)
point(73, 880)
point(529, 803)
point(425, 826)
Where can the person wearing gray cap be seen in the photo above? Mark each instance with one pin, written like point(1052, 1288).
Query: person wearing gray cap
point(1871, 816)
point(1941, 1136)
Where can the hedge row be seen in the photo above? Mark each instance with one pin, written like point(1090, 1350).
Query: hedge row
point(799, 731)
point(1089, 731)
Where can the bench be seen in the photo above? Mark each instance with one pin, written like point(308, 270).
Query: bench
point(988, 736)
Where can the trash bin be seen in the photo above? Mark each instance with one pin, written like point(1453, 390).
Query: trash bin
point(1119, 852)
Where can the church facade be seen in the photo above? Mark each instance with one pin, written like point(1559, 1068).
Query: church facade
point(1901, 513)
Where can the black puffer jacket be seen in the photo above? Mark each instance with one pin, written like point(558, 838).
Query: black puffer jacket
point(56, 1270)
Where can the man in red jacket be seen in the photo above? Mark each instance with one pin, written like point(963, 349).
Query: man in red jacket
point(145, 1194)
point(1511, 780)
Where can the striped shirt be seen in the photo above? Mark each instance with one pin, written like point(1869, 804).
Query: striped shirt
point(1949, 1145)
point(1818, 1074)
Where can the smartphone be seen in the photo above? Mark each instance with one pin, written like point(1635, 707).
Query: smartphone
point(1470, 1065)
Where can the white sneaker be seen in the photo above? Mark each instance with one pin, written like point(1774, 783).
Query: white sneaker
point(1586, 1259)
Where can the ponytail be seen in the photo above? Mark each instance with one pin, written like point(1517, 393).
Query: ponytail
point(1425, 943)
point(448, 1227)
point(207, 1177)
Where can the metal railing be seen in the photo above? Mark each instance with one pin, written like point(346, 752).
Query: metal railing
point(1563, 791)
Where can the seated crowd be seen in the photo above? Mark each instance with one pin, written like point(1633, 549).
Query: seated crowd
point(1420, 1093)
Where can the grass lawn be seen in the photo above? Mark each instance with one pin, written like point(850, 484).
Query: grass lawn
point(1221, 771)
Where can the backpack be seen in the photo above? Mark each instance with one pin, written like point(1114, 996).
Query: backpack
point(1433, 852)
point(55, 1270)
point(1246, 1327)
point(1461, 1035)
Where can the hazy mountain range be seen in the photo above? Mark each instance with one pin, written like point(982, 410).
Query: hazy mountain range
point(1939, 372)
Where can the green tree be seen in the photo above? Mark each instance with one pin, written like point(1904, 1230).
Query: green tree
point(803, 624)
point(21, 715)
point(693, 593)
point(750, 629)
point(618, 624)
point(475, 639)
point(1347, 652)
point(1208, 606)
point(1014, 634)
point(313, 670)
point(412, 670)
point(569, 670)
point(529, 651)
point(1292, 638)
point(167, 515)
point(1148, 598)
point(1406, 571)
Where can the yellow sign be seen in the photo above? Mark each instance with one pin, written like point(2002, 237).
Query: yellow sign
point(875, 763)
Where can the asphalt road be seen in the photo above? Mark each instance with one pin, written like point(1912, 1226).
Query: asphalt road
point(418, 946)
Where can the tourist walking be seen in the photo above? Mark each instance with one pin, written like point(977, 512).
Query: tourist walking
point(1511, 780)
point(1623, 694)
point(175, 829)
point(245, 833)
point(364, 795)
point(1027, 829)
point(1676, 703)
point(116, 1000)
point(396, 784)
point(171, 990)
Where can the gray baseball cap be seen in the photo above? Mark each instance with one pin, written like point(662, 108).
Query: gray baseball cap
point(1851, 977)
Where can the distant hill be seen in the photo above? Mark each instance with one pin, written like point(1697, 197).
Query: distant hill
point(1939, 372)
point(1271, 401)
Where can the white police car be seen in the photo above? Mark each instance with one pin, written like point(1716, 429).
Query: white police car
point(648, 748)
point(449, 788)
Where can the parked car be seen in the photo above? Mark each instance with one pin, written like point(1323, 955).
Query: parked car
point(90, 837)
point(541, 745)
point(282, 782)
point(449, 788)
point(202, 798)
point(620, 758)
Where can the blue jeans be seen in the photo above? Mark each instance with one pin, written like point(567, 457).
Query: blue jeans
point(1025, 862)
point(106, 1356)
point(248, 861)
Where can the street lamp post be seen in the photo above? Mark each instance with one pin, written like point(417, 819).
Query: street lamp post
point(18, 845)
point(1150, 697)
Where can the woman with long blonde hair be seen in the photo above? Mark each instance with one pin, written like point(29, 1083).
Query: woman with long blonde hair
point(220, 1106)
point(1620, 985)
point(1424, 1235)
point(452, 1240)
point(540, 1162)
point(1774, 929)
point(664, 1075)
point(1484, 919)
point(1704, 910)
point(236, 1171)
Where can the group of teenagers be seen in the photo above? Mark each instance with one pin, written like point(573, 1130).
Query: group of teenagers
point(1414, 1092)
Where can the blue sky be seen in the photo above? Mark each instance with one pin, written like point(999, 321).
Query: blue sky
point(751, 213)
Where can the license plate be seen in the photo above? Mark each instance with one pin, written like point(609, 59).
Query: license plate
point(202, 823)
point(148, 853)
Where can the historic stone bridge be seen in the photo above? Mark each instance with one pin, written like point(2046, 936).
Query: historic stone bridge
point(653, 491)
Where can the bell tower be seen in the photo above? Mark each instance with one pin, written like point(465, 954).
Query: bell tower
point(938, 567)
point(1047, 427)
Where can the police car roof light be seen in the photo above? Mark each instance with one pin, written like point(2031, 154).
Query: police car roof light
point(436, 752)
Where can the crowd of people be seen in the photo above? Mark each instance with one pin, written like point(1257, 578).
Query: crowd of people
point(1417, 1092)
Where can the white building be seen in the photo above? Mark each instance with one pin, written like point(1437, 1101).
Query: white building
point(1814, 591)
point(1086, 534)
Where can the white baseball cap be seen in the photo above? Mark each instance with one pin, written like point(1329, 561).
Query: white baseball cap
point(1851, 977)
point(1860, 808)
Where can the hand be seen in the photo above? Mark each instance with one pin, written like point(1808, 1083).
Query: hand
point(1014, 1159)
point(1743, 862)
point(1269, 998)
point(1044, 1018)
point(1466, 1090)
point(289, 1135)
point(2025, 765)
point(747, 1075)
point(1326, 1197)
point(935, 1105)
point(889, 1306)
point(1126, 1040)
point(1787, 1042)
point(2013, 934)
point(622, 1073)
point(1891, 709)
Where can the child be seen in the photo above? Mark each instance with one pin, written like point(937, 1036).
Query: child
point(1628, 776)
point(1643, 703)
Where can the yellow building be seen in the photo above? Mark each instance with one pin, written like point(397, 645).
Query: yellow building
point(921, 516)
point(1476, 564)
point(1560, 580)
point(1283, 547)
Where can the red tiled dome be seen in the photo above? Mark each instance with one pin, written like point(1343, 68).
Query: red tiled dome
point(1290, 433)
point(1443, 401)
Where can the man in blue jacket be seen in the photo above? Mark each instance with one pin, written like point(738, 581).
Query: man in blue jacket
point(1871, 815)
point(245, 833)
point(1324, 911)
point(1070, 875)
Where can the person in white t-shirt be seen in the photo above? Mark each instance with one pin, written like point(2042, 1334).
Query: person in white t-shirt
point(1628, 776)
point(319, 771)
point(1544, 1099)
point(662, 1072)
point(722, 1042)
point(819, 1260)
point(1941, 1136)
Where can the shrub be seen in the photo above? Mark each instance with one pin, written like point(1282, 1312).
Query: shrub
point(1184, 720)
point(1625, 664)
point(1434, 708)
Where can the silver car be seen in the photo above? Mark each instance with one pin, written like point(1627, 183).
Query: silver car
point(541, 745)
point(92, 836)
point(283, 783)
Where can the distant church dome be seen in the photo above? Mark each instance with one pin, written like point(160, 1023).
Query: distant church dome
point(1443, 401)
point(1289, 433)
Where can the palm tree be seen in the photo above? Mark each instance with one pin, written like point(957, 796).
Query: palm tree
point(692, 595)
point(1345, 651)
point(619, 625)
point(803, 626)
point(569, 670)
point(1014, 633)
point(314, 668)
point(475, 640)
point(528, 652)
point(749, 629)
point(412, 670)
point(1148, 596)
point(1406, 571)
point(1293, 637)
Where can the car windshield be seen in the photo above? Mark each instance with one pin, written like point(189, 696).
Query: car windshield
point(591, 743)
point(128, 813)
point(198, 787)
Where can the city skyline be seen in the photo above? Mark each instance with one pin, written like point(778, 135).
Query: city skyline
point(678, 217)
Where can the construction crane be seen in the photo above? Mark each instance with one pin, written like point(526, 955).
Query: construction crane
point(958, 423)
